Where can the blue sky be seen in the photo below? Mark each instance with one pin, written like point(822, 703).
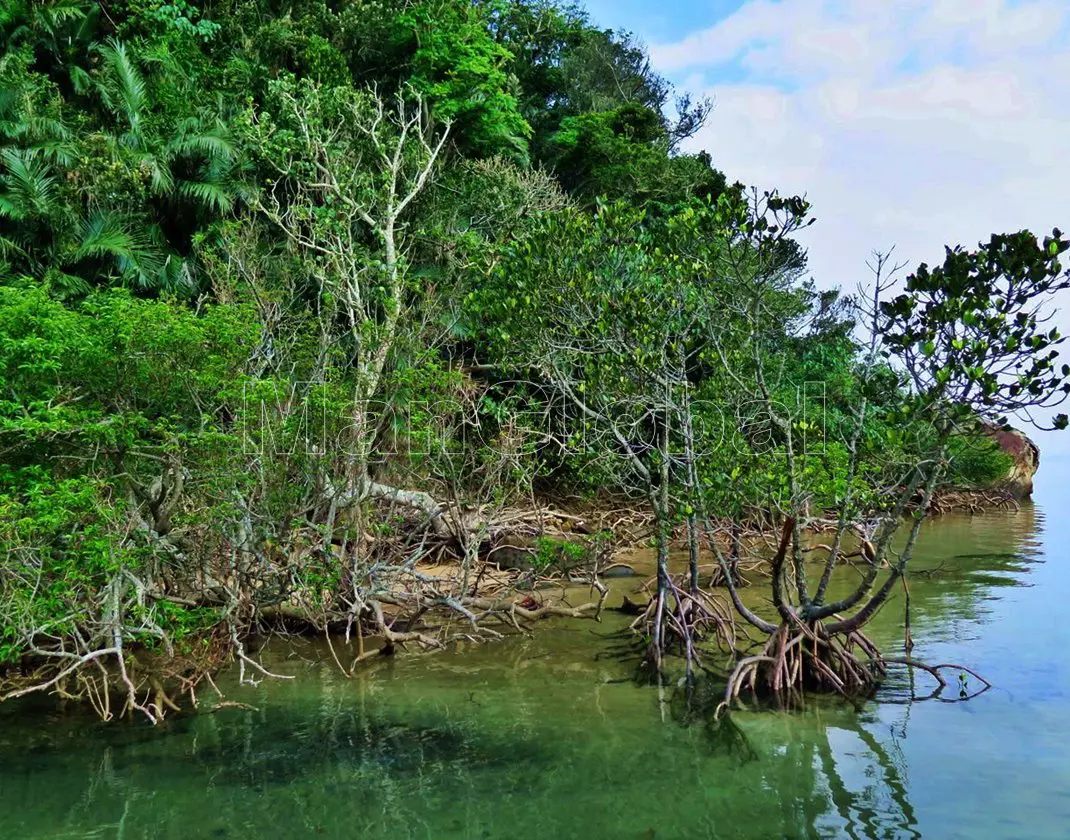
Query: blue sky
point(660, 21)
point(668, 22)
point(913, 123)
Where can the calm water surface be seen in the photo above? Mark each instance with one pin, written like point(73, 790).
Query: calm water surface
point(540, 738)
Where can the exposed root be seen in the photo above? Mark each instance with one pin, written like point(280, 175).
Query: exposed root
point(972, 501)
point(394, 637)
point(115, 681)
point(412, 585)
point(798, 657)
point(531, 610)
point(801, 657)
point(245, 660)
point(677, 620)
point(941, 683)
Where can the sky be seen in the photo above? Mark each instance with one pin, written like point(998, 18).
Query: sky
point(913, 123)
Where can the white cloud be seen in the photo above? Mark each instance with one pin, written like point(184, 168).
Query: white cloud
point(917, 123)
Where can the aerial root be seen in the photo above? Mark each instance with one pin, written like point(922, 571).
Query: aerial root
point(936, 671)
point(799, 656)
point(677, 620)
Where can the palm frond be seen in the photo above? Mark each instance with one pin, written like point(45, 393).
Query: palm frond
point(34, 127)
point(49, 17)
point(43, 21)
point(60, 151)
point(13, 12)
point(159, 54)
point(42, 135)
point(208, 193)
point(177, 276)
point(213, 144)
point(9, 247)
point(27, 183)
point(81, 81)
point(209, 138)
point(9, 98)
point(65, 284)
point(161, 178)
point(106, 234)
point(122, 87)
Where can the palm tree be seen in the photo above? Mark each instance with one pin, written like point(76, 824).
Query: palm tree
point(52, 220)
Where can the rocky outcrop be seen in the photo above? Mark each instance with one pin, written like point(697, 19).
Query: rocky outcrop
point(1025, 457)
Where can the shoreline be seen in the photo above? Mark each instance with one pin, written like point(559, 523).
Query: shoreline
point(422, 608)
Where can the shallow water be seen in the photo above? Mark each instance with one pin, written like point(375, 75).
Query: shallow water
point(545, 738)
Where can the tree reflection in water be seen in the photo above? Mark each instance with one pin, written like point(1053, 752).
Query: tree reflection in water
point(538, 738)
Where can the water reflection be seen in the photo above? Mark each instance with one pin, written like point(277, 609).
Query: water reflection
point(344, 774)
point(545, 737)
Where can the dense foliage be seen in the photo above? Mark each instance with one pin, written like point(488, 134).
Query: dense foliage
point(266, 268)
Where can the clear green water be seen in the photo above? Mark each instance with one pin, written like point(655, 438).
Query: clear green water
point(536, 738)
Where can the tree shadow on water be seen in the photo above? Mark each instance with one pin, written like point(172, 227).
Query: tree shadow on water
point(817, 762)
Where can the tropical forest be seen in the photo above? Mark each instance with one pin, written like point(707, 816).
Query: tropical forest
point(359, 357)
